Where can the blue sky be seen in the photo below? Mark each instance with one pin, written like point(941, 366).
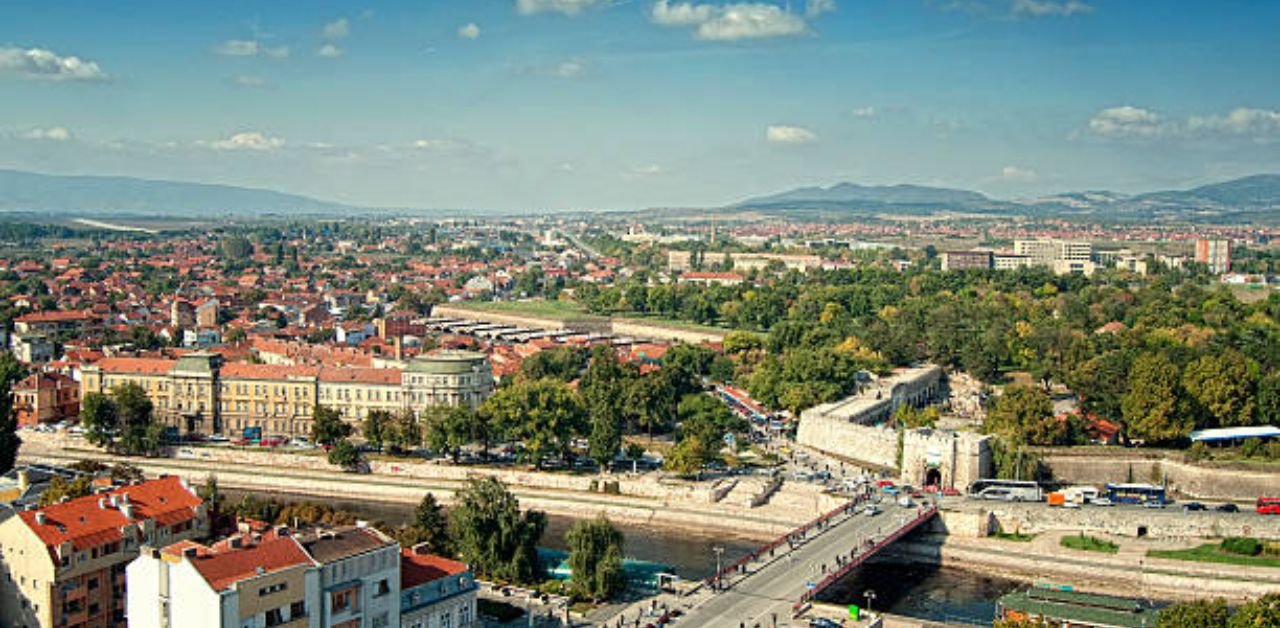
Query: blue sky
point(582, 104)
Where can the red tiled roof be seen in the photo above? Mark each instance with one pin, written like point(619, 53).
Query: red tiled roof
point(416, 569)
point(359, 375)
point(54, 315)
point(155, 366)
point(222, 569)
point(86, 524)
point(265, 371)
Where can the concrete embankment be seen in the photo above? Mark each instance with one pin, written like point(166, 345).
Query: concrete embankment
point(644, 500)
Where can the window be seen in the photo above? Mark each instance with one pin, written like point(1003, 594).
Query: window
point(297, 610)
point(383, 588)
point(275, 588)
point(446, 619)
point(275, 617)
point(93, 583)
point(464, 615)
point(380, 621)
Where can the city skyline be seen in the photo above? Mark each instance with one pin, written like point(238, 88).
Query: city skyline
point(597, 104)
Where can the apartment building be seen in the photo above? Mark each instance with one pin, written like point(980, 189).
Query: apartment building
point(1216, 254)
point(198, 393)
point(359, 577)
point(963, 260)
point(46, 398)
point(49, 323)
point(239, 582)
point(65, 564)
point(435, 591)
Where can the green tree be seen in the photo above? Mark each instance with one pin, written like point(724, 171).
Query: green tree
point(11, 371)
point(652, 403)
point(1151, 406)
point(211, 494)
point(545, 415)
point(595, 559)
point(60, 488)
point(431, 526)
point(1264, 611)
point(449, 429)
point(604, 389)
point(327, 426)
point(1024, 414)
point(406, 432)
point(378, 426)
point(687, 457)
point(1197, 614)
point(1268, 399)
point(345, 455)
point(491, 533)
point(139, 432)
point(1223, 384)
point(236, 248)
point(99, 418)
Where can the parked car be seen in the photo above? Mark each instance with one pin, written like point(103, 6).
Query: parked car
point(950, 492)
point(822, 622)
point(1153, 503)
point(1227, 508)
point(1193, 507)
point(1102, 501)
point(871, 510)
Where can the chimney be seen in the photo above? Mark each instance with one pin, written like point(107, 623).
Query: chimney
point(24, 481)
point(235, 542)
point(282, 531)
point(102, 503)
point(115, 500)
point(190, 551)
point(397, 342)
point(40, 518)
point(127, 511)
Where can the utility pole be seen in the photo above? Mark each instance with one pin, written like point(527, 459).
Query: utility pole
point(870, 596)
point(719, 553)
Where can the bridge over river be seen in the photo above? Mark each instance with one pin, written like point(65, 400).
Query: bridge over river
point(776, 582)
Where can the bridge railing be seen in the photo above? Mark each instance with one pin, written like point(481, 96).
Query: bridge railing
point(848, 508)
point(860, 557)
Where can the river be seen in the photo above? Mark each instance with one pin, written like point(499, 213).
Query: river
point(912, 590)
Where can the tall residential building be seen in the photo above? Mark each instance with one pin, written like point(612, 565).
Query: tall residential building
point(359, 577)
point(197, 393)
point(963, 260)
point(1216, 254)
point(46, 398)
point(240, 583)
point(65, 563)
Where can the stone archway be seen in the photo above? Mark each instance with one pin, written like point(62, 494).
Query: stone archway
point(933, 477)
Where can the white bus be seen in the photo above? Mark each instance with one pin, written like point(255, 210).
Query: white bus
point(1006, 490)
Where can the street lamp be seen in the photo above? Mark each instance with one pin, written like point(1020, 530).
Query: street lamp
point(719, 553)
point(870, 596)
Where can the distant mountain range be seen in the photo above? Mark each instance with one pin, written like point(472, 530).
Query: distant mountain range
point(30, 192)
point(1256, 196)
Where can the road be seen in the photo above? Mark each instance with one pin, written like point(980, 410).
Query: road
point(765, 596)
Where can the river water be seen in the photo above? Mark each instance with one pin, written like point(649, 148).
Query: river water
point(913, 590)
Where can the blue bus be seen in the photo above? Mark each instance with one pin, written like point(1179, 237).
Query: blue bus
point(1136, 493)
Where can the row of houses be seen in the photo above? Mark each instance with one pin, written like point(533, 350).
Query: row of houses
point(132, 556)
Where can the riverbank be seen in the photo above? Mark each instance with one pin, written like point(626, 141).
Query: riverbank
point(646, 501)
point(1129, 572)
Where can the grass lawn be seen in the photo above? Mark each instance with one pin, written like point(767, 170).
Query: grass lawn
point(1212, 553)
point(1014, 536)
point(559, 310)
point(1089, 544)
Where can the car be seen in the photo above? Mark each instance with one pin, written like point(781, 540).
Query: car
point(1102, 501)
point(1228, 508)
point(871, 510)
point(950, 492)
point(218, 438)
point(822, 622)
point(1153, 503)
point(884, 483)
point(1070, 504)
point(1193, 507)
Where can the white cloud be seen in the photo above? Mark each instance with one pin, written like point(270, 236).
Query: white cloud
point(564, 7)
point(730, 22)
point(337, 29)
point(247, 80)
point(249, 48)
point(570, 68)
point(42, 64)
point(1041, 8)
point(469, 31)
point(237, 48)
point(1128, 121)
point(52, 134)
point(814, 8)
point(565, 69)
point(1257, 124)
point(864, 112)
point(1014, 174)
point(329, 51)
point(647, 170)
point(248, 140)
point(788, 134)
